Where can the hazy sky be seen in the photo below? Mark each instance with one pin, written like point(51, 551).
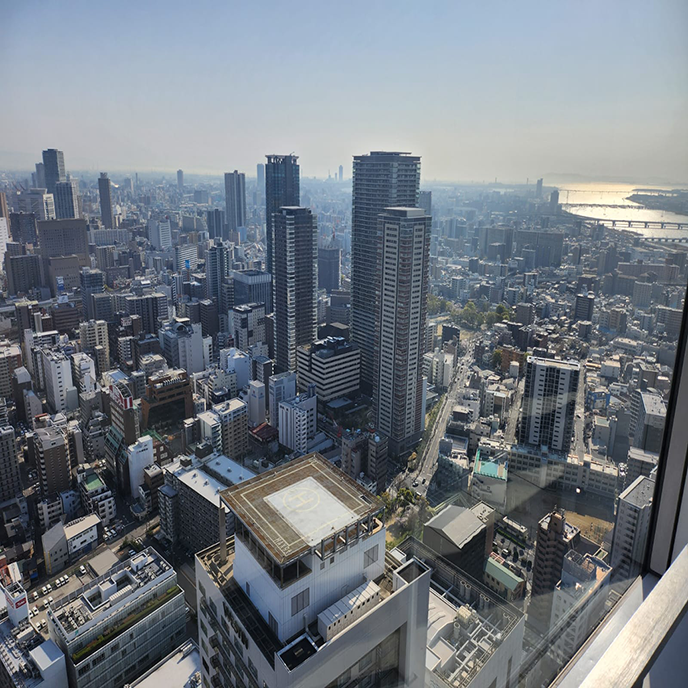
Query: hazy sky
point(479, 89)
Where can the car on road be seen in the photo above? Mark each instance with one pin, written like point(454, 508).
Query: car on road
point(415, 483)
point(505, 552)
point(423, 481)
point(132, 552)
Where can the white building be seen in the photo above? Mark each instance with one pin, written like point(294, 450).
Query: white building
point(578, 601)
point(281, 387)
point(256, 403)
point(239, 362)
point(182, 345)
point(37, 201)
point(438, 368)
point(83, 372)
point(247, 324)
point(160, 234)
point(96, 497)
point(549, 403)
point(67, 542)
point(85, 624)
point(60, 392)
point(139, 455)
point(631, 527)
point(333, 365)
point(298, 420)
point(302, 595)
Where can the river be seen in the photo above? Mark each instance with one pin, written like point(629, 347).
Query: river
point(617, 195)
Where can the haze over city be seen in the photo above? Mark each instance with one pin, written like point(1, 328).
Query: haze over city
point(512, 90)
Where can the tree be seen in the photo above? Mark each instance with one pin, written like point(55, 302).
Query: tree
point(497, 358)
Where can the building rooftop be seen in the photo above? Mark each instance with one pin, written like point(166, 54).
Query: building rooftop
point(180, 669)
point(503, 574)
point(653, 404)
point(92, 481)
point(457, 524)
point(639, 493)
point(96, 601)
point(491, 469)
point(23, 647)
point(293, 508)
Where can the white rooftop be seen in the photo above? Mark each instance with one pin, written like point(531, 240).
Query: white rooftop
point(312, 511)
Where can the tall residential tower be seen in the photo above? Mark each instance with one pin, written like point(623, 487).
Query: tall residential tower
point(282, 188)
point(381, 180)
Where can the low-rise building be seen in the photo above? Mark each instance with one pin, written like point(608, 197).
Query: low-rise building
point(333, 365)
point(67, 542)
point(121, 623)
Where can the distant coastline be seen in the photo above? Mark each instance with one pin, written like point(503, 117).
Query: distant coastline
point(671, 201)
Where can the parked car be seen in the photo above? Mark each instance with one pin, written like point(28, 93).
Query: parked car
point(82, 570)
point(50, 600)
point(44, 590)
point(34, 611)
point(35, 595)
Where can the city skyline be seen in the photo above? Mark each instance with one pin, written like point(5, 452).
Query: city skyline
point(535, 103)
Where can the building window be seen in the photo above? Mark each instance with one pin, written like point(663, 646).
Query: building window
point(273, 624)
point(370, 556)
point(300, 602)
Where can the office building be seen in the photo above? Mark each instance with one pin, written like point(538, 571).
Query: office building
point(257, 403)
point(584, 306)
point(53, 168)
point(329, 265)
point(252, 286)
point(232, 416)
point(189, 500)
point(105, 195)
point(425, 202)
point(631, 528)
point(61, 394)
point(66, 198)
point(298, 421)
point(180, 181)
point(555, 537)
point(23, 227)
point(332, 365)
point(281, 387)
point(88, 625)
point(4, 210)
point(10, 360)
point(218, 266)
point(315, 608)
point(460, 536)
point(260, 179)
point(546, 246)
point(398, 392)
point(185, 257)
point(215, 219)
point(93, 335)
point(247, 325)
point(96, 497)
point(92, 282)
point(182, 344)
point(282, 189)
point(160, 234)
point(549, 403)
point(380, 180)
point(235, 200)
point(124, 430)
point(182, 666)
point(38, 202)
point(49, 452)
point(23, 273)
point(295, 282)
point(366, 453)
point(151, 308)
point(139, 455)
point(59, 238)
point(168, 398)
point(578, 602)
point(10, 478)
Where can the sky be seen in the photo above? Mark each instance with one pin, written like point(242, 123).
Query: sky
point(481, 90)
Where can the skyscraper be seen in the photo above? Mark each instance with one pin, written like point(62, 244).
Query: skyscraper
point(105, 193)
point(92, 282)
point(295, 283)
point(282, 188)
point(53, 168)
point(381, 180)
point(260, 176)
point(215, 219)
point(180, 181)
point(549, 403)
point(218, 265)
point(425, 201)
point(584, 306)
point(235, 199)
point(398, 390)
point(341, 173)
point(329, 265)
point(4, 211)
point(67, 200)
